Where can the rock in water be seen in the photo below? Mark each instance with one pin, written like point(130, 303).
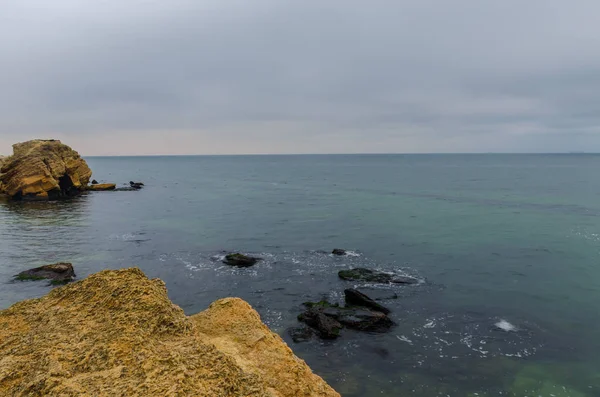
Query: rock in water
point(101, 186)
point(44, 169)
point(94, 182)
point(368, 275)
point(328, 327)
point(357, 298)
point(300, 334)
point(319, 316)
point(113, 333)
point(240, 260)
point(338, 252)
point(58, 273)
point(136, 185)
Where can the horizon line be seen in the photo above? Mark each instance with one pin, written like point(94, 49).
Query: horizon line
point(342, 154)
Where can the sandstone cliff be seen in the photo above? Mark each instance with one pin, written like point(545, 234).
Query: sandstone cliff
point(42, 169)
point(116, 333)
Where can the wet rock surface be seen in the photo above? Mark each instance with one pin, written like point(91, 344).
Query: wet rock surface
point(356, 298)
point(57, 273)
point(240, 260)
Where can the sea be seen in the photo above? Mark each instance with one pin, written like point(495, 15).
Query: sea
point(506, 248)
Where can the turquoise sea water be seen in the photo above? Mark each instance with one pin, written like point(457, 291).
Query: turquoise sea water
point(495, 237)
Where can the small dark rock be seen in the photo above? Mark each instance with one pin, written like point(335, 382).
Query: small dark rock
point(301, 334)
point(94, 182)
point(361, 274)
point(357, 298)
point(327, 327)
point(57, 273)
point(240, 260)
point(360, 319)
point(136, 185)
point(339, 252)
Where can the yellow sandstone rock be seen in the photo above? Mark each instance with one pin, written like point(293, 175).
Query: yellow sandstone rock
point(116, 333)
point(102, 186)
point(43, 169)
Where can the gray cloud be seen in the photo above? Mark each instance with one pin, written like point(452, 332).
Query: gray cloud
point(272, 76)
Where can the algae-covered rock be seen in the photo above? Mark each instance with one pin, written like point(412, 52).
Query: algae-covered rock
point(57, 273)
point(116, 333)
point(43, 169)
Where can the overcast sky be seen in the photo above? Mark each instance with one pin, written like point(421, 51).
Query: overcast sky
point(301, 76)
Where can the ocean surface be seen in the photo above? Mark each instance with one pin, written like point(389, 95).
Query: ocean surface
point(507, 248)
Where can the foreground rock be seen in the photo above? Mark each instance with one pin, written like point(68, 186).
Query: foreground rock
point(43, 169)
point(101, 187)
point(57, 273)
point(368, 275)
point(356, 298)
point(116, 333)
point(240, 260)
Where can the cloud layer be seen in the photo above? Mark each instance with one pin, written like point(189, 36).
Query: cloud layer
point(290, 76)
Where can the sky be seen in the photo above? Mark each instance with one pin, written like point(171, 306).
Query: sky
point(114, 77)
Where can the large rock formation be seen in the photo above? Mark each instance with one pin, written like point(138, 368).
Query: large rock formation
point(116, 333)
point(43, 169)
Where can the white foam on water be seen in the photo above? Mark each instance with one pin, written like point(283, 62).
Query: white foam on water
point(429, 324)
point(404, 339)
point(352, 253)
point(505, 326)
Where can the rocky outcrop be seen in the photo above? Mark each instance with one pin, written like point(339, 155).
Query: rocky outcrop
point(96, 187)
point(43, 169)
point(339, 252)
point(116, 333)
point(57, 273)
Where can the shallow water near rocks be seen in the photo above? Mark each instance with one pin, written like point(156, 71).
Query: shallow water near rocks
point(506, 246)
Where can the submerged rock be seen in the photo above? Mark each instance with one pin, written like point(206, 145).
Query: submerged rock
point(339, 252)
point(57, 273)
point(368, 275)
point(136, 185)
point(113, 333)
point(101, 187)
point(301, 334)
point(356, 298)
point(43, 169)
point(240, 260)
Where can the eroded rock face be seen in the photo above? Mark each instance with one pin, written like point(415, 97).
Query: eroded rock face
point(116, 333)
point(43, 169)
